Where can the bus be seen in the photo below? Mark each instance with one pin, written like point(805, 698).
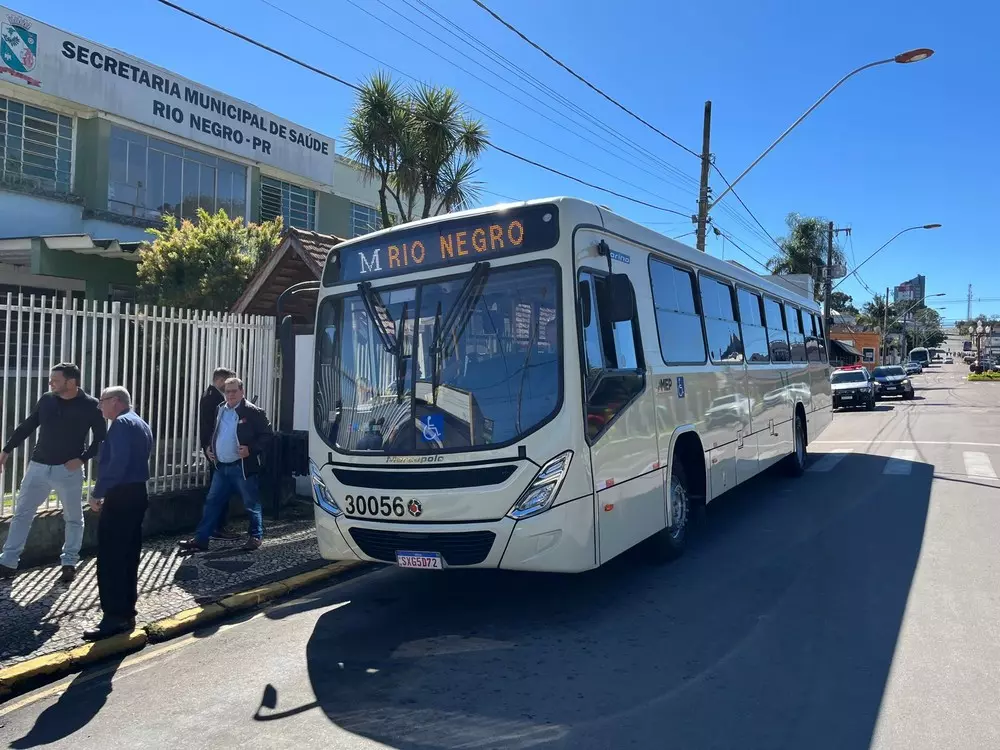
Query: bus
point(937, 355)
point(920, 354)
point(543, 385)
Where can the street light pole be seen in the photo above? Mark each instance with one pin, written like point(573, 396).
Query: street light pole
point(901, 231)
point(912, 56)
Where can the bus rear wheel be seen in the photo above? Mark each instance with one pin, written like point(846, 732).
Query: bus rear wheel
point(668, 544)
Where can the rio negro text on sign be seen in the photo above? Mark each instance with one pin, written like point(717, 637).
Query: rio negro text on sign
point(446, 243)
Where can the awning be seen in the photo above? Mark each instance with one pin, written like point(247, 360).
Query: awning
point(16, 251)
point(845, 347)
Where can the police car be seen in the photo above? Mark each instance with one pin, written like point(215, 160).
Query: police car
point(852, 387)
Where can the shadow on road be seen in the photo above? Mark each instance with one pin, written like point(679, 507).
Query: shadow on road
point(776, 630)
point(82, 700)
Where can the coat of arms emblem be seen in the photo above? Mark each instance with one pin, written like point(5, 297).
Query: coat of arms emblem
point(18, 45)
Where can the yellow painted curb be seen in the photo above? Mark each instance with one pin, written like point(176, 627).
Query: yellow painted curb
point(63, 662)
point(119, 644)
point(184, 621)
point(320, 574)
point(253, 597)
point(32, 668)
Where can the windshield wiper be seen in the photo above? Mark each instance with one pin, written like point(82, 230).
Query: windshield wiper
point(380, 316)
point(532, 340)
point(398, 352)
point(457, 319)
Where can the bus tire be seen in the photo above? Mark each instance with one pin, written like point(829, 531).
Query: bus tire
point(795, 464)
point(668, 543)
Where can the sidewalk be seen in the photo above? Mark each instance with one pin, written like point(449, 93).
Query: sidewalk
point(39, 615)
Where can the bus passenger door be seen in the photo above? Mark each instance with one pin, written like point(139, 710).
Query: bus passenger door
point(621, 416)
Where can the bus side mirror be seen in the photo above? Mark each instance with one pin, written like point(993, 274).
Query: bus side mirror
point(621, 297)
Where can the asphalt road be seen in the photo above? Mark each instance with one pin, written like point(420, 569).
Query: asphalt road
point(857, 606)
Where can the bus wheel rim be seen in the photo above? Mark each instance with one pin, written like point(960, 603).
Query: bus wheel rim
point(679, 507)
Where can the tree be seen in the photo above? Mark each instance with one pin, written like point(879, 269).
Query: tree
point(843, 303)
point(417, 145)
point(804, 250)
point(204, 264)
point(875, 313)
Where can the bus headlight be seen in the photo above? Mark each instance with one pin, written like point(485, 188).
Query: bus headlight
point(321, 495)
point(542, 491)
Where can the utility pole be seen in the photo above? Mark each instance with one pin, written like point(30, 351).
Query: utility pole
point(968, 309)
point(828, 286)
point(703, 190)
point(885, 328)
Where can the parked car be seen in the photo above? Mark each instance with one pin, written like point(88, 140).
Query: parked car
point(949, 361)
point(891, 380)
point(913, 368)
point(852, 387)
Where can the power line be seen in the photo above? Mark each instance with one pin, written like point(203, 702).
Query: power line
point(739, 247)
point(514, 99)
point(464, 36)
point(474, 109)
point(745, 206)
point(355, 87)
point(583, 80)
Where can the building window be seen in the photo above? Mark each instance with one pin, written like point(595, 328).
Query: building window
point(296, 205)
point(36, 146)
point(149, 177)
point(364, 219)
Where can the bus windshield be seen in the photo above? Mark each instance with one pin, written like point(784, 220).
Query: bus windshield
point(463, 363)
point(919, 355)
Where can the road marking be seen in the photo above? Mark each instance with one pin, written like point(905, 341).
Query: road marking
point(902, 442)
point(901, 462)
point(978, 465)
point(830, 460)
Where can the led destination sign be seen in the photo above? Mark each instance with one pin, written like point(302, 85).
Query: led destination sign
point(449, 243)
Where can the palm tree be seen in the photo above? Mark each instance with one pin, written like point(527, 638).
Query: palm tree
point(418, 144)
point(804, 250)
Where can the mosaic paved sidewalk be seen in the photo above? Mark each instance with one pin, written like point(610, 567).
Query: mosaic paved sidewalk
point(39, 615)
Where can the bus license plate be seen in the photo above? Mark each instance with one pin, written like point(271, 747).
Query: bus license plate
point(425, 560)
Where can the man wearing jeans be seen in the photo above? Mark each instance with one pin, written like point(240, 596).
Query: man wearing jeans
point(63, 417)
point(242, 436)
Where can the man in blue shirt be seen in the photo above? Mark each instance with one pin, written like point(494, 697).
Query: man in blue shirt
point(239, 443)
point(120, 498)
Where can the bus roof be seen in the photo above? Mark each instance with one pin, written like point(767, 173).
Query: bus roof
point(585, 212)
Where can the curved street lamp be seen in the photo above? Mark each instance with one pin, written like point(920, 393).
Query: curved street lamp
point(901, 231)
point(903, 58)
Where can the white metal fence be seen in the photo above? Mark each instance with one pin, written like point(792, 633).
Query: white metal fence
point(164, 356)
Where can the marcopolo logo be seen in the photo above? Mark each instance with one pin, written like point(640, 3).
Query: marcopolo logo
point(413, 459)
point(18, 49)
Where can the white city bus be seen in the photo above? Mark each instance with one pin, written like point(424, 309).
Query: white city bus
point(543, 385)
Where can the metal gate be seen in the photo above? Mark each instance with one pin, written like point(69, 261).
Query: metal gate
point(164, 356)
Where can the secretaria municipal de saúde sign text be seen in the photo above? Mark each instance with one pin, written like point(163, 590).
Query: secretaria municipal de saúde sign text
point(43, 58)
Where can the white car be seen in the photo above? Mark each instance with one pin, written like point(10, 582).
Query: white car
point(949, 361)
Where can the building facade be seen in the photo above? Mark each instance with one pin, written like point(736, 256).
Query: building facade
point(910, 291)
point(97, 145)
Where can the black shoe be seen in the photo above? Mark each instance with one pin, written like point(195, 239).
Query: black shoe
point(108, 628)
point(6, 572)
point(68, 574)
point(192, 545)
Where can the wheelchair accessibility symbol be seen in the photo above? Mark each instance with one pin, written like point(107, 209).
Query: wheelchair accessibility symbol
point(432, 428)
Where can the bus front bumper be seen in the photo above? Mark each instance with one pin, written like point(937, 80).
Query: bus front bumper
point(561, 539)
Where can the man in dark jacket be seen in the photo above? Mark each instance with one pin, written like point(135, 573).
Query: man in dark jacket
point(208, 409)
point(120, 498)
point(241, 437)
point(63, 417)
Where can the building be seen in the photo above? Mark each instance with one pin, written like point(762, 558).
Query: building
point(855, 347)
point(913, 290)
point(95, 145)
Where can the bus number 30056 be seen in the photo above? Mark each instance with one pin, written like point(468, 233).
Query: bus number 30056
point(374, 506)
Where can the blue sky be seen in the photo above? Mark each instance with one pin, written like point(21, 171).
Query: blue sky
point(896, 146)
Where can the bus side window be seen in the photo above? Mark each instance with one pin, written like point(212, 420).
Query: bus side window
point(820, 338)
point(796, 338)
point(812, 337)
point(777, 331)
point(615, 367)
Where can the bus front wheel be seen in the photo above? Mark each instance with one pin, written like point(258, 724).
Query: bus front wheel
point(795, 464)
point(668, 543)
